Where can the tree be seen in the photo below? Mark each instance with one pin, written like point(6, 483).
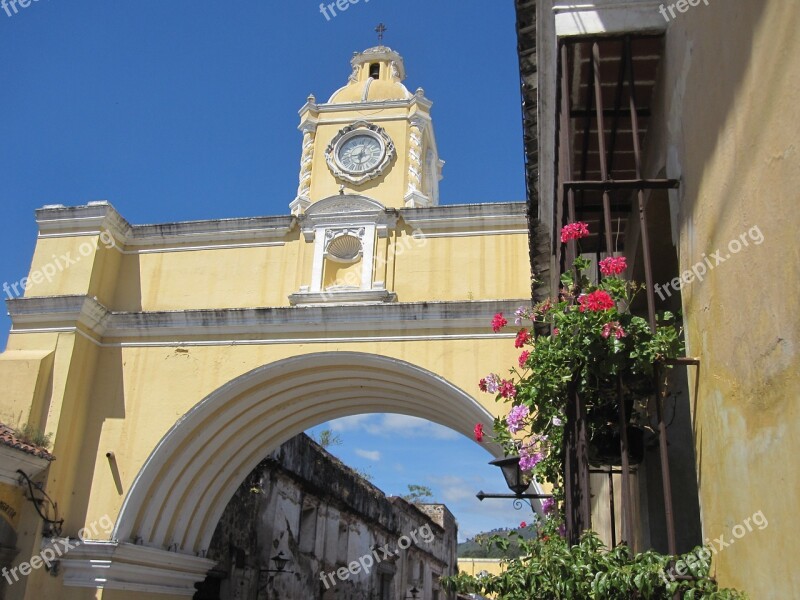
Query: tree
point(418, 494)
point(327, 438)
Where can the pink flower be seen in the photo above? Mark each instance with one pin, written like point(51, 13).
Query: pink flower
point(478, 432)
point(596, 301)
point(523, 358)
point(556, 331)
point(613, 328)
point(498, 322)
point(508, 389)
point(523, 337)
point(489, 384)
point(523, 525)
point(574, 231)
point(613, 265)
point(516, 418)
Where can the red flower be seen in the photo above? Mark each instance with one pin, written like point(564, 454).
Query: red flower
point(522, 338)
point(498, 322)
point(574, 231)
point(613, 265)
point(479, 432)
point(523, 525)
point(596, 301)
point(556, 331)
point(508, 389)
point(523, 358)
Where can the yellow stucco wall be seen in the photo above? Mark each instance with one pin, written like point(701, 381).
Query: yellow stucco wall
point(731, 79)
point(474, 566)
point(101, 393)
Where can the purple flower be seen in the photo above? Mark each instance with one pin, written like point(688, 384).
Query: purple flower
point(516, 418)
point(529, 457)
point(520, 314)
point(490, 384)
point(557, 422)
point(548, 505)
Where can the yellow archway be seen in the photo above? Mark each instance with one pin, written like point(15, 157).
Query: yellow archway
point(184, 486)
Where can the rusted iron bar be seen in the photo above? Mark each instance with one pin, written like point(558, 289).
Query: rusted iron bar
point(612, 145)
point(627, 512)
point(682, 360)
point(623, 184)
point(576, 468)
point(612, 508)
point(577, 113)
point(591, 39)
point(666, 479)
point(627, 498)
point(587, 129)
point(601, 145)
point(637, 154)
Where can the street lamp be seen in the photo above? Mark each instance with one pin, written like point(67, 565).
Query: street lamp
point(414, 593)
point(513, 476)
point(280, 564)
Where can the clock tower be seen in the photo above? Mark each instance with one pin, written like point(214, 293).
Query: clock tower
point(372, 138)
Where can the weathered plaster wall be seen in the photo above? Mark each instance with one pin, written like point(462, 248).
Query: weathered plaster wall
point(727, 102)
point(305, 503)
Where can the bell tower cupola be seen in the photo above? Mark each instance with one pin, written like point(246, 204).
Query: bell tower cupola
point(372, 138)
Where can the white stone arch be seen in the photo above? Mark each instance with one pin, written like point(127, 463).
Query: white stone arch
point(180, 493)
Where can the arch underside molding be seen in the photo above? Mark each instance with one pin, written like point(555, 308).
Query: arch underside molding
point(184, 486)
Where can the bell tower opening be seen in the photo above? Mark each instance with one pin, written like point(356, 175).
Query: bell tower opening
point(375, 70)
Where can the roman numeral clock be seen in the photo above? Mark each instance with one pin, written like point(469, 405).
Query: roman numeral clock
point(360, 152)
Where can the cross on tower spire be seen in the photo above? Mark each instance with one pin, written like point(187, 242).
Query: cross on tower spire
point(381, 29)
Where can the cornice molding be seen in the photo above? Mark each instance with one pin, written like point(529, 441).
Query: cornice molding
point(329, 297)
point(603, 17)
point(96, 217)
point(124, 566)
point(510, 216)
point(375, 317)
point(346, 210)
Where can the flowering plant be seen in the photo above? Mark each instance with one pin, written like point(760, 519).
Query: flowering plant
point(588, 341)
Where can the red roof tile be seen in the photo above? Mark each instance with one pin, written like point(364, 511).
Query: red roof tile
point(8, 437)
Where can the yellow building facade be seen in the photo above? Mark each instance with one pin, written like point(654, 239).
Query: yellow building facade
point(168, 360)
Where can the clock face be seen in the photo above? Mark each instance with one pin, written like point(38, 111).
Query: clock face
point(360, 154)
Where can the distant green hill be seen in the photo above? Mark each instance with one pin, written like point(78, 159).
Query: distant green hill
point(473, 548)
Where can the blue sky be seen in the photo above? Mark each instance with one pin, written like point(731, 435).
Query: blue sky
point(187, 109)
point(398, 450)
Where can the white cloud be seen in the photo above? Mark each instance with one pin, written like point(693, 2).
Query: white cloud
point(351, 423)
point(394, 425)
point(372, 455)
